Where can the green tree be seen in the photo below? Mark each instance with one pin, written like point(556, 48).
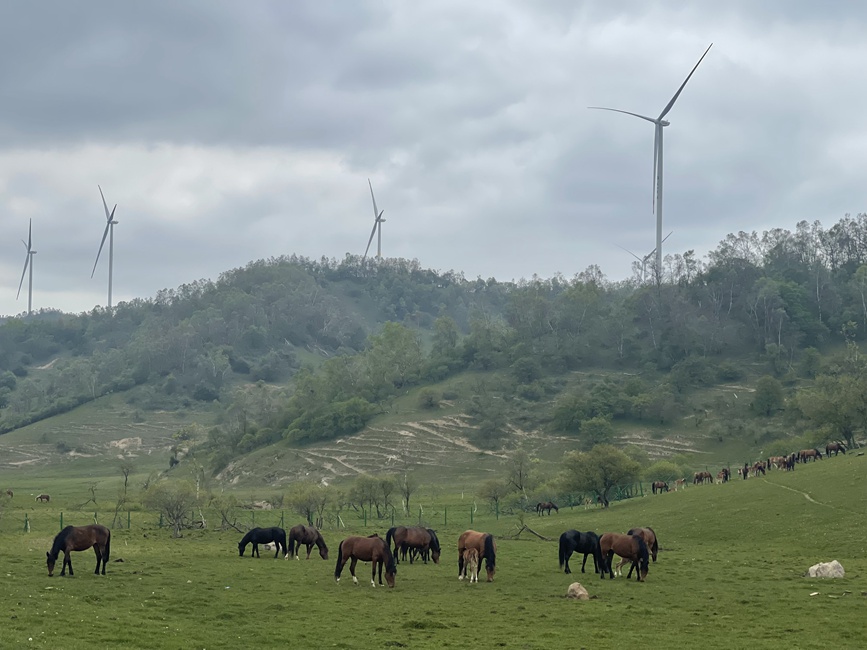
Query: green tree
point(837, 403)
point(598, 471)
point(174, 500)
point(768, 396)
point(493, 490)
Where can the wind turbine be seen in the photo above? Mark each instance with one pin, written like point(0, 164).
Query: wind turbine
point(28, 262)
point(109, 232)
point(659, 123)
point(377, 226)
point(643, 260)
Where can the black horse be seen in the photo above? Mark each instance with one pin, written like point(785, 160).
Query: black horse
point(573, 541)
point(258, 536)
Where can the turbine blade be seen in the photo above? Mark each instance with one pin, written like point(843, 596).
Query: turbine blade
point(104, 204)
point(655, 163)
point(628, 251)
point(677, 94)
point(375, 211)
point(23, 273)
point(668, 235)
point(30, 236)
point(104, 235)
point(617, 110)
point(111, 216)
point(379, 216)
point(369, 241)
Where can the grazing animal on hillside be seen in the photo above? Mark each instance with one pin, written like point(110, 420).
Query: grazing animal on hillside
point(757, 467)
point(413, 540)
point(807, 455)
point(546, 506)
point(371, 549)
point(79, 538)
point(9, 493)
point(679, 483)
point(471, 564)
point(629, 547)
point(702, 477)
point(659, 487)
point(836, 447)
point(307, 535)
point(573, 541)
point(258, 536)
point(484, 544)
point(43, 498)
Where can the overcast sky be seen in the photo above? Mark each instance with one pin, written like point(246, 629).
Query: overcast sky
point(233, 131)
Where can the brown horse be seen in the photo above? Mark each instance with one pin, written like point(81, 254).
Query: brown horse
point(836, 447)
point(80, 538)
point(307, 535)
point(487, 549)
point(629, 547)
point(44, 498)
point(547, 506)
point(413, 539)
point(659, 487)
point(371, 549)
point(471, 563)
point(806, 455)
point(649, 537)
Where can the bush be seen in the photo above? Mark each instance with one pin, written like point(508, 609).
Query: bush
point(428, 398)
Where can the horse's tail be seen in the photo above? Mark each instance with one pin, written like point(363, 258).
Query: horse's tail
point(339, 567)
point(654, 548)
point(107, 551)
point(564, 550)
point(490, 554)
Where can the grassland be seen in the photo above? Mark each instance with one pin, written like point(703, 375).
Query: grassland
point(730, 574)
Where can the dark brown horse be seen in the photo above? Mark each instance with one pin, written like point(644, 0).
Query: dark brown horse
point(44, 498)
point(307, 535)
point(649, 537)
point(836, 447)
point(80, 538)
point(659, 487)
point(629, 547)
point(484, 544)
point(367, 549)
point(546, 506)
point(415, 540)
point(806, 455)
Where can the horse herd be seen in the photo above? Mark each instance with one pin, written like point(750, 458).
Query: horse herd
point(636, 546)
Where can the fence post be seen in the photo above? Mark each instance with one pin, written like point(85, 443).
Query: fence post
point(26, 523)
point(364, 515)
point(446, 515)
point(253, 518)
point(95, 520)
point(471, 516)
point(392, 517)
point(641, 488)
point(419, 515)
point(496, 509)
point(161, 520)
point(128, 516)
point(61, 521)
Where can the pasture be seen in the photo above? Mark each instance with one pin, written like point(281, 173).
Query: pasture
point(729, 574)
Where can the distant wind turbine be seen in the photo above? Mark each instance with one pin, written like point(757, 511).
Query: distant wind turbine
point(659, 124)
point(28, 263)
point(109, 232)
point(377, 227)
point(643, 260)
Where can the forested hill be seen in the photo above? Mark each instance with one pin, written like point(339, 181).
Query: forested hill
point(331, 342)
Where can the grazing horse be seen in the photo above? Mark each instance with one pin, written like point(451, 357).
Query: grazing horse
point(10, 495)
point(258, 536)
point(471, 563)
point(307, 535)
point(44, 498)
point(573, 541)
point(484, 544)
point(702, 477)
point(79, 538)
point(659, 486)
point(836, 447)
point(371, 549)
point(546, 505)
point(415, 540)
point(757, 467)
point(679, 483)
point(649, 537)
point(807, 454)
point(629, 547)
point(777, 461)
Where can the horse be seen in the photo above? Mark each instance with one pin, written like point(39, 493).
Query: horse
point(806, 454)
point(367, 549)
point(757, 467)
point(649, 537)
point(659, 486)
point(44, 498)
point(258, 536)
point(702, 477)
point(485, 545)
point(307, 535)
point(79, 538)
point(415, 540)
point(546, 505)
point(573, 541)
point(10, 495)
point(629, 547)
point(471, 563)
point(679, 483)
point(836, 447)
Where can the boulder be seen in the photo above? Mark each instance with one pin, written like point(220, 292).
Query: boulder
point(577, 591)
point(832, 569)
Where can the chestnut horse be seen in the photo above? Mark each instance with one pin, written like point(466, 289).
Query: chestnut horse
point(659, 487)
point(629, 547)
point(307, 535)
point(649, 537)
point(471, 563)
point(44, 498)
point(371, 549)
point(484, 544)
point(806, 454)
point(414, 539)
point(79, 538)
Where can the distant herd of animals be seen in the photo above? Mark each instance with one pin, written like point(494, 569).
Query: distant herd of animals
point(637, 546)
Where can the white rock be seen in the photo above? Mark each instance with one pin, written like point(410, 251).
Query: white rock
point(577, 591)
point(832, 569)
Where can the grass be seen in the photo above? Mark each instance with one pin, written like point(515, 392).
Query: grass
point(730, 572)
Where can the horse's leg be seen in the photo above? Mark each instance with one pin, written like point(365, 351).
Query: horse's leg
point(461, 569)
point(96, 548)
point(255, 551)
point(309, 548)
point(608, 558)
point(373, 564)
point(67, 561)
point(352, 570)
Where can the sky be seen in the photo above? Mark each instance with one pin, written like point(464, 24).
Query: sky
point(230, 131)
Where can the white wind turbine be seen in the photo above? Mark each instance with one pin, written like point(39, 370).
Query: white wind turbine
point(109, 232)
point(377, 227)
point(659, 123)
point(643, 260)
point(28, 263)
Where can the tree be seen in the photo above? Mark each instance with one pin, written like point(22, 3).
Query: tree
point(838, 403)
point(173, 500)
point(493, 490)
point(598, 471)
point(768, 396)
point(518, 470)
point(597, 430)
point(407, 484)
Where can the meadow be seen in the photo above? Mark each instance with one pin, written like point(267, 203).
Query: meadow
point(730, 573)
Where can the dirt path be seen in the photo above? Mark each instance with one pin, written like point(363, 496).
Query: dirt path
point(806, 496)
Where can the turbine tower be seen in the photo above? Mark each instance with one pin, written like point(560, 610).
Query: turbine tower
point(28, 263)
point(109, 232)
point(377, 227)
point(659, 123)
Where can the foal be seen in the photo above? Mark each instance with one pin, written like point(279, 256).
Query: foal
point(471, 564)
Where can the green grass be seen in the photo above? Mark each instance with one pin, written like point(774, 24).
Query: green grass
point(729, 574)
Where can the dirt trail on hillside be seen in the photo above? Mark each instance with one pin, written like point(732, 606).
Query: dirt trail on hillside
point(806, 496)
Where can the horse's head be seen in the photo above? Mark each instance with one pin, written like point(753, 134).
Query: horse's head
point(50, 560)
point(323, 549)
point(390, 569)
point(241, 547)
point(434, 546)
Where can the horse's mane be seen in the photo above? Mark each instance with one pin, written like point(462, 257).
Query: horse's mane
point(390, 564)
point(60, 541)
point(434, 540)
point(490, 555)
